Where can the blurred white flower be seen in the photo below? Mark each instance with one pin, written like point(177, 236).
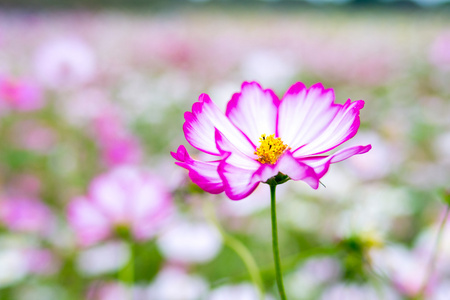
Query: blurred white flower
point(175, 284)
point(243, 291)
point(341, 291)
point(440, 146)
point(40, 292)
point(190, 242)
point(268, 67)
point(84, 105)
point(64, 62)
point(13, 266)
point(20, 256)
point(108, 257)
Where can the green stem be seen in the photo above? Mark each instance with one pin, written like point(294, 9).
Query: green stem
point(276, 251)
point(240, 250)
point(126, 274)
point(432, 262)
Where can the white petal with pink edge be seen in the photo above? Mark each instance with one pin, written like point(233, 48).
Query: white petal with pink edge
point(236, 170)
point(238, 182)
point(322, 163)
point(297, 170)
point(204, 174)
point(288, 165)
point(342, 127)
point(253, 111)
point(305, 113)
point(201, 123)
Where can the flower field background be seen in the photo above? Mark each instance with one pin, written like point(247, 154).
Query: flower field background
point(92, 205)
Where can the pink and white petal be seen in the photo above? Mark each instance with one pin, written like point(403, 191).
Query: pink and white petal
point(322, 163)
point(89, 224)
point(297, 170)
point(342, 127)
point(305, 113)
point(238, 182)
point(237, 157)
point(236, 170)
point(253, 111)
point(204, 174)
point(288, 165)
point(201, 123)
point(265, 172)
point(349, 152)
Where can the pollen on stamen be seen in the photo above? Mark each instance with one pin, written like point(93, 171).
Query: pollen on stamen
point(270, 149)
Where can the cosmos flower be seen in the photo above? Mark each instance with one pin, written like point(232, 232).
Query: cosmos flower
point(123, 199)
point(260, 137)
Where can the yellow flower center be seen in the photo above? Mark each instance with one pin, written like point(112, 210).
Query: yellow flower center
point(270, 149)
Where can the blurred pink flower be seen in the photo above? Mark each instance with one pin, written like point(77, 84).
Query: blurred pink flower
point(122, 150)
point(20, 94)
point(439, 54)
point(260, 136)
point(26, 215)
point(117, 145)
point(123, 198)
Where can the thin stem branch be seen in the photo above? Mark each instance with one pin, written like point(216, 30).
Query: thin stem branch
point(240, 250)
point(276, 252)
point(432, 262)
